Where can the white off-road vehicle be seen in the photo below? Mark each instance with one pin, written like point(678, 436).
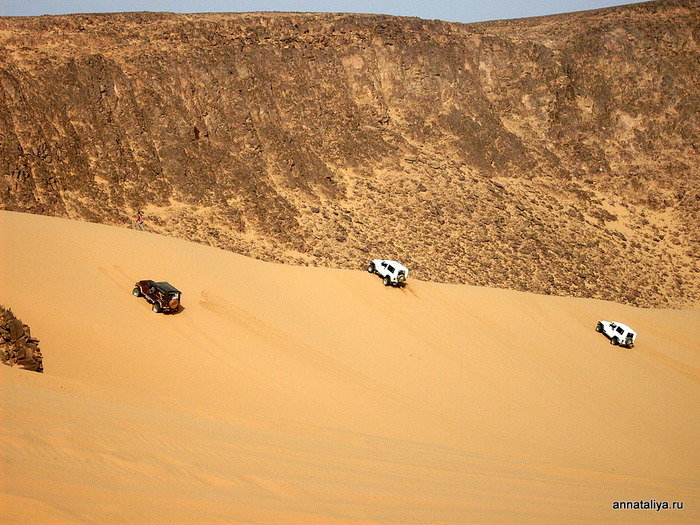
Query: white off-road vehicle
point(391, 272)
point(618, 333)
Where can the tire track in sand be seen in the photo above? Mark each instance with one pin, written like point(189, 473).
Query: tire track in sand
point(301, 352)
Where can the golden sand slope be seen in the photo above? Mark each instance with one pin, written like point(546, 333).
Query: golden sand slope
point(290, 394)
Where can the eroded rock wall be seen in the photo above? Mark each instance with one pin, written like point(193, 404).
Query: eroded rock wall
point(555, 155)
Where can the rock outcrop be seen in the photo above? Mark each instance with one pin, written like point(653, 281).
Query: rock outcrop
point(17, 346)
point(555, 155)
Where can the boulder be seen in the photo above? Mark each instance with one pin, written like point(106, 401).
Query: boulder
point(17, 346)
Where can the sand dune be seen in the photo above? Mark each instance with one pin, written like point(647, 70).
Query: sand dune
point(292, 394)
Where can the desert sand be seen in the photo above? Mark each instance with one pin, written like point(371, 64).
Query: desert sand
point(286, 394)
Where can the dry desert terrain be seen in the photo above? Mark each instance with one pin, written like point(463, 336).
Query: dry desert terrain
point(284, 394)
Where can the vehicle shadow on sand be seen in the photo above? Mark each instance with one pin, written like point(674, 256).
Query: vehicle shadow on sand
point(179, 310)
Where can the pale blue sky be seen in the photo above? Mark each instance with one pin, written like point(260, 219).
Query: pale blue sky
point(451, 10)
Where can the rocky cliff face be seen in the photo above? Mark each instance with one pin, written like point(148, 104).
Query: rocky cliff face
point(555, 155)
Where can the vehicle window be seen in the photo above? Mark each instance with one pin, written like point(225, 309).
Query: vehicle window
point(620, 330)
point(391, 269)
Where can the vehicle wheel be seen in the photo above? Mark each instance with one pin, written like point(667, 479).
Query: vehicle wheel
point(599, 328)
point(137, 291)
point(371, 268)
point(387, 281)
point(156, 308)
point(614, 341)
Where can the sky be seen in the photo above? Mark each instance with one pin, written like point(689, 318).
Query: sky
point(449, 10)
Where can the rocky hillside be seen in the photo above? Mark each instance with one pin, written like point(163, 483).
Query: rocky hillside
point(555, 154)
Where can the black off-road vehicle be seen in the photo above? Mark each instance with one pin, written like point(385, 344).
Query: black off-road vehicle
point(163, 296)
